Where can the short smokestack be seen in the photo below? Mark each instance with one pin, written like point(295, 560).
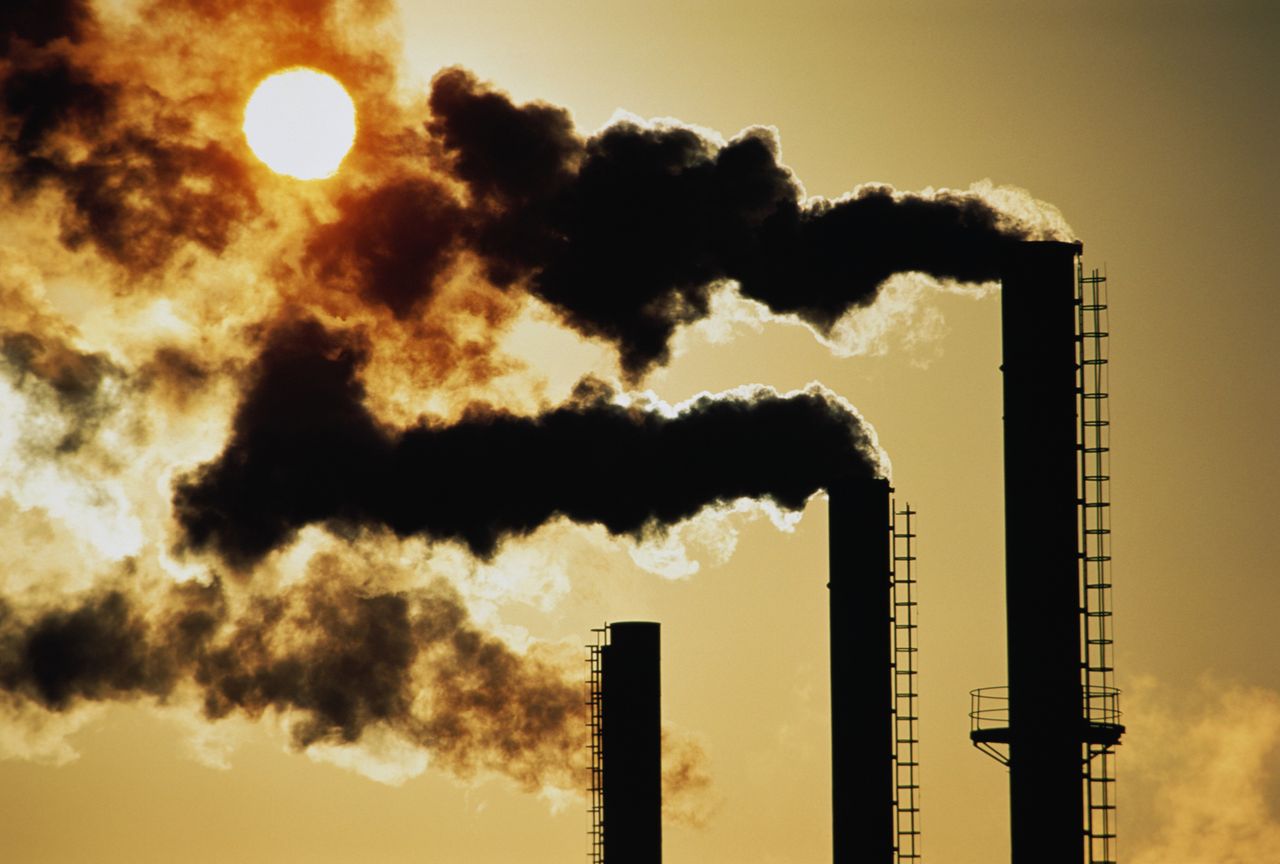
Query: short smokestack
point(1041, 552)
point(861, 672)
point(631, 736)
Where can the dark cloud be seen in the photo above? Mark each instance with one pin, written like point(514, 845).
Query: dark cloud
point(510, 155)
point(337, 659)
point(391, 246)
point(626, 232)
point(136, 190)
point(305, 450)
point(97, 650)
point(51, 94)
point(39, 22)
point(138, 200)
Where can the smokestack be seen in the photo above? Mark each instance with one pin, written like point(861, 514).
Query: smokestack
point(861, 672)
point(1041, 553)
point(632, 744)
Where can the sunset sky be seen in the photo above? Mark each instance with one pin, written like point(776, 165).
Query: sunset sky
point(171, 308)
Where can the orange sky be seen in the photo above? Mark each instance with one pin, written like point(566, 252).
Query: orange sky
point(1150, 128)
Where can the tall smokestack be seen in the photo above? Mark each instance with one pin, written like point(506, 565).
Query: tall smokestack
point(632, 742)
point(1041, 553)
point(861, 672)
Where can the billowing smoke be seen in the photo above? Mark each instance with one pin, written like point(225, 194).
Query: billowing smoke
point(197, 353)
point(136, 195)
point(39, 22)
point(332, 658)
point(626, 232)
point(304, 449)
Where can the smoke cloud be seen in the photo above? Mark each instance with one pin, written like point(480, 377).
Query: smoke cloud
point(136, 195)
point(39, 22)
point(626, 232)
point(199, 356)
point(335, 659)
point(304, 450)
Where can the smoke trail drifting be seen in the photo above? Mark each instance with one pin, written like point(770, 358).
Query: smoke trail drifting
point(39, 22)
point(304, 450)
point(626, 232)
point(136, 195)
point(144, 253)
point(336, 660)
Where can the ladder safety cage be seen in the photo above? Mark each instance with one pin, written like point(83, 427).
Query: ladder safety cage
point(906, 693)
point(595, 733)
point(1101, 699)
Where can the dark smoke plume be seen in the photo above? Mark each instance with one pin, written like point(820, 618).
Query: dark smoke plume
point(336, 659)
point(627, 232)
point(305, 450)
point(39, 22)
point(141, 188)
point(389, 246)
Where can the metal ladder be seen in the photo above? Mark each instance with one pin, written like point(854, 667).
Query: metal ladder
point(1098, 664)
point(595, 731)
point(906, 719)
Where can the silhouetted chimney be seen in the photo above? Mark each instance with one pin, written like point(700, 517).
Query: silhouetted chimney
point(632, 744)
point(861, 672)
point(1041, 552)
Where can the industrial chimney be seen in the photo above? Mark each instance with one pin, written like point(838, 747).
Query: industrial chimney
point(1059, 719)
point(626, 726)
point(862, 687)
point(1042, 579)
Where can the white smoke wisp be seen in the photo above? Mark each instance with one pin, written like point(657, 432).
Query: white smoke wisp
point(381, 755)
point(31, 733)
point(709, 538)
point(905, 317)
point(1022, 211)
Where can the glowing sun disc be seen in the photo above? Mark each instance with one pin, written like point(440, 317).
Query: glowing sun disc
point(301, 122)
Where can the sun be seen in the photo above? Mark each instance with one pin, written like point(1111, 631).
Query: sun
point(301, 122)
